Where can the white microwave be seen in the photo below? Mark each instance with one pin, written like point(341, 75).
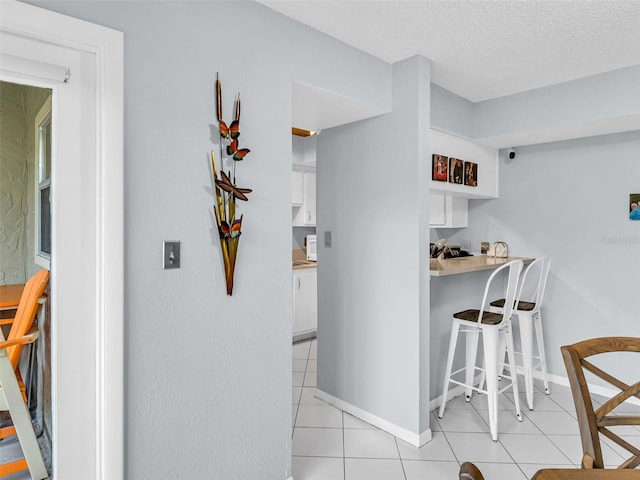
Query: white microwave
point(312, 247)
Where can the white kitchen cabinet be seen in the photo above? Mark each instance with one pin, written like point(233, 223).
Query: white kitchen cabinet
point(447, 211)
point(305, 215)
point(309, 203)
point(305, 303)
point(297, 188)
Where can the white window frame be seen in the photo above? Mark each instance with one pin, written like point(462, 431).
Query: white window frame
point(43, 259)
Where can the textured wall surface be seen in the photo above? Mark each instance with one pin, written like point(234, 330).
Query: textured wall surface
point(18, 107)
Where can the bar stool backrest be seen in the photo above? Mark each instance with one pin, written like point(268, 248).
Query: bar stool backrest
point(514, 267)
point(529, 282)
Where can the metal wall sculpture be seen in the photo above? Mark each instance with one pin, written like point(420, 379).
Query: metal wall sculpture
point(226, 189)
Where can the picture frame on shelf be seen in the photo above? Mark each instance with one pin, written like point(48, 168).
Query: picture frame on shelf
point(471, 174)
point(440, 168)
point(456, 170)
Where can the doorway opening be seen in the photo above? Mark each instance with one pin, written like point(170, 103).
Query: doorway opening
point(83, 64)
point(25, 242)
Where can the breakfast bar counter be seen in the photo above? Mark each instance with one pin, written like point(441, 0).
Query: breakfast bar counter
point(476, 263)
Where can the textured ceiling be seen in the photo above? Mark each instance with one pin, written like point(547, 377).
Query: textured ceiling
point(485, 49)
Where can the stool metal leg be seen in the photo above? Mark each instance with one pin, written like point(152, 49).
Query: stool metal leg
point(526, 339)
point(512, 368)
point(455, 327)
point(472, 353)
point(490, 344)
point(543, 359)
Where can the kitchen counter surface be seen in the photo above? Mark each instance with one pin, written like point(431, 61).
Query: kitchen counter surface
point(299, 260)
point(476, 263)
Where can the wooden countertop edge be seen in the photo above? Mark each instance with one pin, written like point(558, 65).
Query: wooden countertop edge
point(476, 263)
point(304, 266)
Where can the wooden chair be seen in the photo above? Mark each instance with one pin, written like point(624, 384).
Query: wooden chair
point(468, 471)
point(12, 394)
point(592, 422)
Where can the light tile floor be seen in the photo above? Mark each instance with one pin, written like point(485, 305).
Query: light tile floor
point(329, 444)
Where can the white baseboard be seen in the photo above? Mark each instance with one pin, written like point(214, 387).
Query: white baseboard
point(402, 433)
point(597, 389)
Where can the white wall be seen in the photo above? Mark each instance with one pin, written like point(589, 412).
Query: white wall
point(569, 200)
point(572, 206)
point(372, 283)
point(451, 113)
point(208, 377)
point(600, 104)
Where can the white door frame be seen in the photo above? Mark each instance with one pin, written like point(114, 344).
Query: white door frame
point(106, 266)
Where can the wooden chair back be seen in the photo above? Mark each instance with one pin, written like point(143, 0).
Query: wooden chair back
point(468, 471)
point(26, 313)
point(596, 422)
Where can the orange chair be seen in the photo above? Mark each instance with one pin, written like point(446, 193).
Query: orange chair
point(12, 391)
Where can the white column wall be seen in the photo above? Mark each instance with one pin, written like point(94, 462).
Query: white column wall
point(373, 281)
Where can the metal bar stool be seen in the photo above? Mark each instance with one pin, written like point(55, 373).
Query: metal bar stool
point(529, 317)
point(495, 328)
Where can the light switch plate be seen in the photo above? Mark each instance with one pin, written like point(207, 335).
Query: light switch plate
point(327, 239)
point(171, 255)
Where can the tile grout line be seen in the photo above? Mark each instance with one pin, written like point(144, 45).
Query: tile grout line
point(499, 441)
point(344, 452)
point(300, 397)
point(447, 440)
point(404, 472)
point(542, 432)
point(546, 435)
point(535, 425)
point(517, 464)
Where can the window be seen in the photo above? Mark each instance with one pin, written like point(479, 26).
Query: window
point(43, 186)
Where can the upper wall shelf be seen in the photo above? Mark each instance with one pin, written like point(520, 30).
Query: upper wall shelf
point(466, 150)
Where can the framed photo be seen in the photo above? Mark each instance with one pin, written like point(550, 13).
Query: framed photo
point(456, 170)
point(634, 206)
point(471, 174)
point(440, 168)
